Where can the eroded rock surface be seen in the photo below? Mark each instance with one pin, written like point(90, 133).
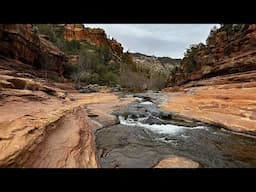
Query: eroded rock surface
point(176, 162)
point(70, 144)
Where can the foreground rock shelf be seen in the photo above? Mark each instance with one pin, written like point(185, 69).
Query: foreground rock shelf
point(27, 128)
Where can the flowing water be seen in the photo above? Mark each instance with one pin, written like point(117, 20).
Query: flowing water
point(147, 134)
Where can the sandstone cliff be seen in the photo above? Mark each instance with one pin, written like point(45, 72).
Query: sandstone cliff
point(95, 36)
point(18, 41)
point(21, 42)
point(155, 64)
point(226, 53)
point(217, 85)
point(53, 55)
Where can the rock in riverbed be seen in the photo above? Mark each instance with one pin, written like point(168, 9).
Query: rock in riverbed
point(90, 88)
point(177, 162)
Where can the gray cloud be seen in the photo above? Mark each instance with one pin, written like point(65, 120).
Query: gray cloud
point(157, 39)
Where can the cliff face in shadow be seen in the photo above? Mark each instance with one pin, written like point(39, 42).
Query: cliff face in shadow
point(21, 42)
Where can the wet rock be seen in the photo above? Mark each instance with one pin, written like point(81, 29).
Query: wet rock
point(125, 147)
point(153, 120)
point(132, 116)
point(92, 88)
point(153, 114)
point(123, 141)
point(132, 112)
point(116, 89)
point(154, 97)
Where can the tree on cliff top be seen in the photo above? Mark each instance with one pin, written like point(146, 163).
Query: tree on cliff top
point(230, 29)
point(189, 57)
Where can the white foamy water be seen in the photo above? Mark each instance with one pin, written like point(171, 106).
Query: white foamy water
point(162, 129)
point(146, 103)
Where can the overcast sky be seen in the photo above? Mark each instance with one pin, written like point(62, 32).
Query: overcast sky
point(170, 40)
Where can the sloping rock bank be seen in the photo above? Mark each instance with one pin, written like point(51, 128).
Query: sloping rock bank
point(218, 101)
point(51, 131)
point(69, 144)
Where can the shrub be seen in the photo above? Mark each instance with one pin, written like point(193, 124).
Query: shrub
point(88, 60)
point(71, 47)
point(190, 57)
point(46, 62)
point(230, 29)
point(157, 81)
point(84, 77)
point(104, 53)
point(212, 34)
point(109, 78)
point(133, 81)
point(69, 70)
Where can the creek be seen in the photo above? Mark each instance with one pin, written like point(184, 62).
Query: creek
point(146, 134)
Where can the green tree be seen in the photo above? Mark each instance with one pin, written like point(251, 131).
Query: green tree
point(190, 57)
point(212, 34)
point(46, 63)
